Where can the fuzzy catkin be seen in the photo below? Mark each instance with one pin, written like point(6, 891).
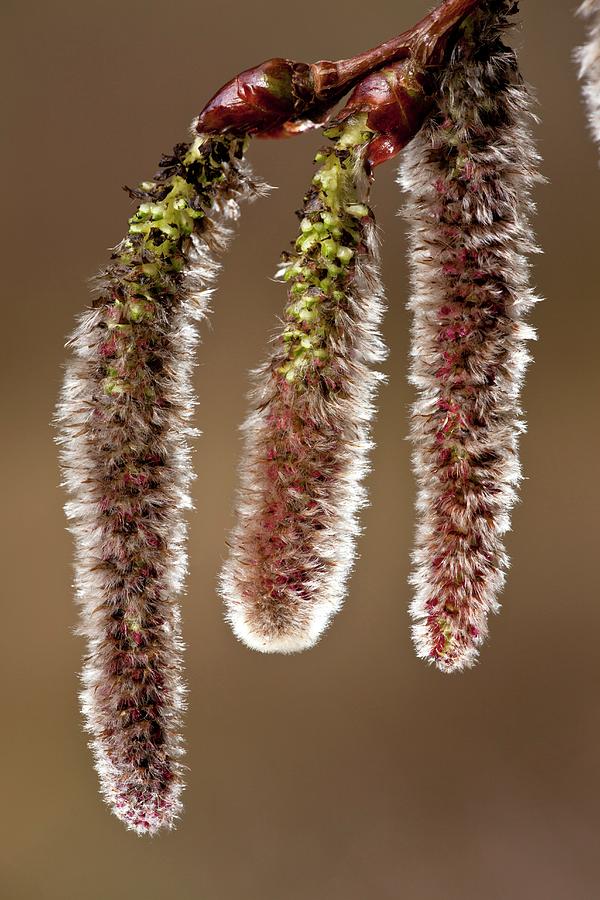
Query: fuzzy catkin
point(588, 57)
point(469, 175)
point(307, 435)
point(124, 418)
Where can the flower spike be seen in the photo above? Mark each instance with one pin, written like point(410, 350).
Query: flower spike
point(468, 175)
point(124, 427)
point(307, 436)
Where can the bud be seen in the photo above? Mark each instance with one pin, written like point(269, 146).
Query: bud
point(396, 100)
point(280, 97)
point(257, 100)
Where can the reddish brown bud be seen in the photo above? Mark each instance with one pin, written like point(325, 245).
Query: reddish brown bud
point(396, 100)
point(258, 99)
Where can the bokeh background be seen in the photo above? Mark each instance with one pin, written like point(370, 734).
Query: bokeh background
point(354, 771)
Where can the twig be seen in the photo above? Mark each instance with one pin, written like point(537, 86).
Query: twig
point(280, 97)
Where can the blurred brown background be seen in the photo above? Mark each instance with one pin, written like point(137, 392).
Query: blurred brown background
point(354, 771)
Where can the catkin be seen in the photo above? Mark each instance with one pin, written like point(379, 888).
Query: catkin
point(307, 435)
point(468, 176)
point(588, 57)
point(124, 419)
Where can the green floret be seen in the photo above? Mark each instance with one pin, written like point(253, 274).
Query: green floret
point(321, 268)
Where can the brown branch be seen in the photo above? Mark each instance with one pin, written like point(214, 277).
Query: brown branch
point(281, 97)
point(427, 43)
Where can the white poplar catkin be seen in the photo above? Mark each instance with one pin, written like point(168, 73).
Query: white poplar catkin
point(124, 418)
point(588, 57)
point(468, 176)
point(307, 435)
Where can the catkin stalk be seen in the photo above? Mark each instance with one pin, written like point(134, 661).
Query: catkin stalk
point(307, 435)
point(468, 176)
point(124, 418)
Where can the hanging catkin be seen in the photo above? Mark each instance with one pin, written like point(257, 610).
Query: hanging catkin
point(124, 417)
point(468, 175)
point(588, 57)
point(307, 436)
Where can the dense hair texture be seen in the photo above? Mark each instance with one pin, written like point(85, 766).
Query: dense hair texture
point(124, 419)
point(307, 435)
point(469, 176)
point(588, 57)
